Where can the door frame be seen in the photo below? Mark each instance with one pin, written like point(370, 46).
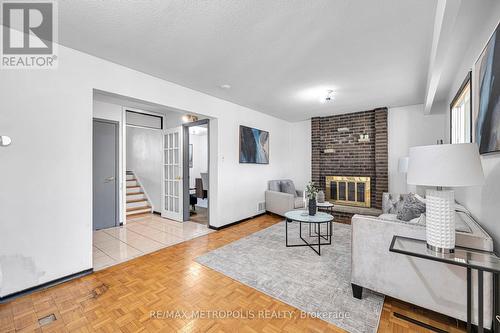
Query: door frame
point(185, 167)
point(117, 168)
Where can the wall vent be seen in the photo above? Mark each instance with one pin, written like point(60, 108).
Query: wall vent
point(262, 207)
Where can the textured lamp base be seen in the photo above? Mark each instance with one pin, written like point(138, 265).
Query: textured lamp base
point(440, 221)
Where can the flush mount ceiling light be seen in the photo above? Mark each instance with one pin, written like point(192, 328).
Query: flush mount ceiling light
point(328, 97)
point(323, 94)
point(189, 118)
point(225, 86)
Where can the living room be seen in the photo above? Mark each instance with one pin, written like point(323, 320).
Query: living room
point(344, 94)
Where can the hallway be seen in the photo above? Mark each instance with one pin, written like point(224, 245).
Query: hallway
point(141, 235)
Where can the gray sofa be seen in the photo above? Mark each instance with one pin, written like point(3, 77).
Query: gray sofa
point(431, 285)
point(281, 197)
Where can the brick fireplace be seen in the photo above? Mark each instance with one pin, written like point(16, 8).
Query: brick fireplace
point(351, 145)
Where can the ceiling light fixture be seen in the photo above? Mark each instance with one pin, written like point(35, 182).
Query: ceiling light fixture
point(189, 118)
point(225, 86)
point(328, 97)
point(320, 93)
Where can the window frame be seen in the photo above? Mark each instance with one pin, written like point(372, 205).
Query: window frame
point(145, 114)
point(466, 81)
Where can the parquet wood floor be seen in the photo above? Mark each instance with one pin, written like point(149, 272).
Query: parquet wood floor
point(121, 298)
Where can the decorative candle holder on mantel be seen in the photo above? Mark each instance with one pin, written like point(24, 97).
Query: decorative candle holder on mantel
point(329, 149)
point(363, 138)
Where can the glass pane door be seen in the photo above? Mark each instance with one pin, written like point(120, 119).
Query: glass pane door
point(172, 174)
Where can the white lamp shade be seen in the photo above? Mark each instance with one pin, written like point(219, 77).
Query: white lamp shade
point(445, 165)
point(403, 164)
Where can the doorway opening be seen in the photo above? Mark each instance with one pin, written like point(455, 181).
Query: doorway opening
point(196, 171)
point(142, 203)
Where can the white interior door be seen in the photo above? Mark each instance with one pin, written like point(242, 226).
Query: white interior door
point(172, 207)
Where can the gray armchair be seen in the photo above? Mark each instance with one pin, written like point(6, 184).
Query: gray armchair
point(281, 197)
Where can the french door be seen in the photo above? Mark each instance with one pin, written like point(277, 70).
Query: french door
point(172, 205)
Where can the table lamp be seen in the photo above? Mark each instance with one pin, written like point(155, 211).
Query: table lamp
point(450, 165)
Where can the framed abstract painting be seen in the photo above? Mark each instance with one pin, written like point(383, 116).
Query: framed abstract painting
point(254, 145)
point(487, 97)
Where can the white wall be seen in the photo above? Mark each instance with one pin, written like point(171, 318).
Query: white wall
point(144, 157)
point(173, 119)
point(483, 202)
point(409, 127)
point(200, 157)
point(300, 153)
point(48, 114)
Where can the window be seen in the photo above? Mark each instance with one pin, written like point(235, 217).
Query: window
point(135, 118)
point(461, 113)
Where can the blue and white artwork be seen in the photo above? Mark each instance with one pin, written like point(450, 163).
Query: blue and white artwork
point(254, 145)
point(487, 110)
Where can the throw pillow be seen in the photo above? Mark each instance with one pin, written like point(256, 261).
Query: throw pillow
point(275, 185)
point(392, 203)
point(287, 186)
point(412, 208)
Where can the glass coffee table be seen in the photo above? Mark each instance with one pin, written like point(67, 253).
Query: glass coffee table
point(303, 217)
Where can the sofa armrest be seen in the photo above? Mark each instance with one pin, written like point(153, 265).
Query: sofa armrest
point(432, 285)
point(279, 203)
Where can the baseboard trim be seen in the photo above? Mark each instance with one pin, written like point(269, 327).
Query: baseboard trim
point(45, 285)
point(236, 222)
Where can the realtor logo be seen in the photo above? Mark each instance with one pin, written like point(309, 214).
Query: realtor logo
point(28, 35)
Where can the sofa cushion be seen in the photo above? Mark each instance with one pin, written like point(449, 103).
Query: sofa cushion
point(287, 186)
point(275, 185)
point(412, 208)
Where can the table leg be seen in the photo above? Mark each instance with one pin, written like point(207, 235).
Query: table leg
point(331, 231)
point(480, 304)
point(319, 237)
point(286, 232)
point(496, 299)
point(469, 300)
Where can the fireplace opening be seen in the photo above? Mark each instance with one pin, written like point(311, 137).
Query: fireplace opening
point(351, 191)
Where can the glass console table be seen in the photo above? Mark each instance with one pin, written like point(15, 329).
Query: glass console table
point(470, 259)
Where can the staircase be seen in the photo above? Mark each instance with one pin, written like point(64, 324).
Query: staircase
point(137, 202)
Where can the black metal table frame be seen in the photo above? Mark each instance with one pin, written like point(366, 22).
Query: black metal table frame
point(327, 236)
point(480, 291)
point(328, 209)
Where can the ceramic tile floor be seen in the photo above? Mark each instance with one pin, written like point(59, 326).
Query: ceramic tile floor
point(139, 236)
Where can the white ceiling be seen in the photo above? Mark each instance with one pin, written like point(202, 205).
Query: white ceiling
point(276, 54)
